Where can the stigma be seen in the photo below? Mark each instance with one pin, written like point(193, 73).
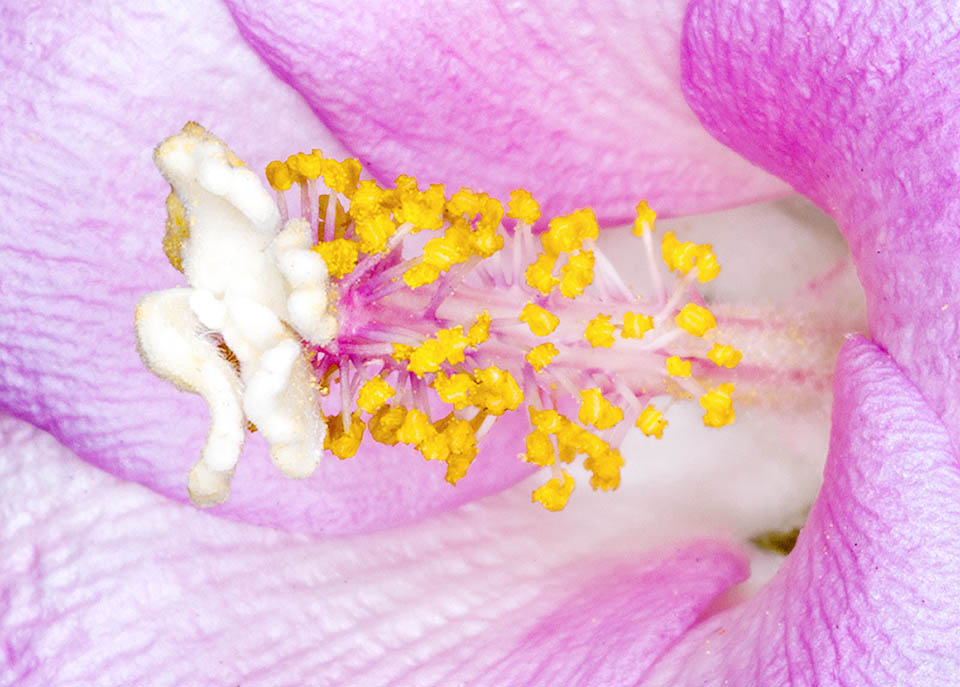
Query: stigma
point(331, 311)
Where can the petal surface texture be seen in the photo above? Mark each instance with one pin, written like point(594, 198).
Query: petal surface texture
point(106, 583)
point(579, 104)
point(80, 242)
point(854, 104)
point(869, 594)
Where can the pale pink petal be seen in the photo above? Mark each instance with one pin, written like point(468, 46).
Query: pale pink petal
point(869, 595)
point(88, 92)
point(578, 102)
point(855, 104)
point(106, 583)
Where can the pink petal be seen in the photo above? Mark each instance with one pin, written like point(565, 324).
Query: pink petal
point(106, 583)
point(88, 93)
point(869, 595)
point(579, 104)
point(855, 104)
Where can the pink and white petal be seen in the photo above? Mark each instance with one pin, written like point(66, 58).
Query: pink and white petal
point(88, 92)
point(854, 104)
point(869, 595)
point(104, 582)
point(579, 104)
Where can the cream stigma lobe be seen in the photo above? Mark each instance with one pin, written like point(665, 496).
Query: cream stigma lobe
point(255, 291)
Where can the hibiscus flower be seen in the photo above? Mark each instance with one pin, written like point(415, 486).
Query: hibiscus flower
point(108, 583)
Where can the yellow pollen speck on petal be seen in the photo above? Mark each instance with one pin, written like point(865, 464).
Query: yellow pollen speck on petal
point(645, 218)
point(597, 411)
point(374, 393)
point(340, 255)
point(718, 406)
point(695, 319)
point(725, 356)
point(541, 356)
point(540, 320)
point(635, 325)
point(523, 206)
point(554, 494)
point(540, 449)
point(651, 422)
point(599, 332)
point(678, 367)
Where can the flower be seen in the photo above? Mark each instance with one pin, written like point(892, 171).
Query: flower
point(892, 469)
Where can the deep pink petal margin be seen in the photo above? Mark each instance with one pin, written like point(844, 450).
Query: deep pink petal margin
point(578, 102)
point(870, 595)
point(855, 104)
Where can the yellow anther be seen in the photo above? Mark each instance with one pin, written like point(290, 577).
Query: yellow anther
point(541, 356)
point(725, 356)
point(402, 352)
point(435, 447)
point(567, 233)
point(707, 266)
point(554, 494)
point(368, 200)
point(540, 449)
point(577, 274)
point(480, 331)
point(645, 219)
point(605, 466)
point(597, 411)
point(695, 319)
point(385, 423)
point(340, 255)
point(341, 177)
point(678, 255)
point(278, 176)
point(416, 428)
point(454, 343)
point(635, 325)
point(491, 213)
point(678, 367)
point(308, 165)
point(718, 406)
point(568, 440)
point(374, 393)
point(421, 274)
point(450, 249)
point(459, 434)
point(485, 241)
point(455, 390)
point(651, 422)
point(523, 206)
point(427, 357)
point(497, 391)
point(549, 421)
point(422, 210)
point(374, 231)
point(540, 320)
point(457, 466)
point(294, 170)
point(599, 332)
point(540, 274)
point(464, 203)
point(344, 444)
